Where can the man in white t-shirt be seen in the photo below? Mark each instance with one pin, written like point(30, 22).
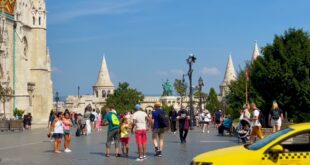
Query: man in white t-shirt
point(256, 125)
point(140, 123)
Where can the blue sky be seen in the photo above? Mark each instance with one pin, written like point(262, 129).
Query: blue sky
point(148, 41)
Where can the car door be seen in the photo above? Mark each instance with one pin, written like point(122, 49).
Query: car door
point(296, 151)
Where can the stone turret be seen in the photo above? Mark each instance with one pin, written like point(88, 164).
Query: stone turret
point(230, 75)
point(104, 85)
point(255, 52)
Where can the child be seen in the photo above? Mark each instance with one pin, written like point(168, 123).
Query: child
point(98, 121)
point(125, 135)
point(57, 128)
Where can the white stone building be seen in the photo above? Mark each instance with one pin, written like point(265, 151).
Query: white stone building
point(25, 64)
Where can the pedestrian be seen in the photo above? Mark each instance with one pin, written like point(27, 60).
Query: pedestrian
point(93, 117)
point(275, 117)
point(256, 125)
point(141, 121)
point(125, 127)
point(173, 120)
point(245, 113)
point(50, 122)
point(87, 114)
point(98, 121)
point(56, 131)
point(218, 118)
point(67, 125)
point(113, 123)
point(206, 121)
point(159, 125)
point(183, 117)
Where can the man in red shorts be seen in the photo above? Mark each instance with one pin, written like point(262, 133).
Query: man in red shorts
point(140, 122)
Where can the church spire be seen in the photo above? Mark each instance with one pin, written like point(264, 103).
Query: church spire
point(230, 75)
point(255, 52)
point(104, 76)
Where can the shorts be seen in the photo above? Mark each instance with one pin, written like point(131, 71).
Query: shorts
point(57, 135)
point(158, 132)
point(67, 132)
point(113, 135)
point(125, 140)
point(141, 137)
point(257, 131)
point(276, 122)
point(217, 121)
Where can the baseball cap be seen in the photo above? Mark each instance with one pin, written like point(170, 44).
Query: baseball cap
point(137, 106)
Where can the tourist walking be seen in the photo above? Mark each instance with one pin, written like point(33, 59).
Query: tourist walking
point(125, 127)
point(173, 120)
point(93, 117)
point(218, 118)
point(275, 117)
point(159, 125)
point(67, 125)
point(183, 118)
point(140, 125)
point(113, 123)
point(98, 121)
point(206, 121)
point(87, 115)
point(56, 131)
point(256, 125)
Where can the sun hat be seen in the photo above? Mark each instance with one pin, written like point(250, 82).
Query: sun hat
point(137, 107)
point(157, 104)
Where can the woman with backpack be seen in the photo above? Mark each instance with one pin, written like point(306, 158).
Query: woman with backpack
point(275, 117)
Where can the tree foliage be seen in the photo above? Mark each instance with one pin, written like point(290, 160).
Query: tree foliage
point(124, 98)
point(282, 74)
point(180, 88)
point(212, 103)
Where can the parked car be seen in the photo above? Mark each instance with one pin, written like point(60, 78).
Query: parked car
point(288, 146)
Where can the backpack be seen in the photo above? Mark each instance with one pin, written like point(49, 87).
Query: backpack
point(114, 119)
point(275, 114)
point(163, 121)
point(92, 117)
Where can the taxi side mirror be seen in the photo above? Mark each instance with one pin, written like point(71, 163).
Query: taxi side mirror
point(277, 149)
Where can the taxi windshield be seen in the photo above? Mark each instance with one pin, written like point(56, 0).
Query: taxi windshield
point(261, 143)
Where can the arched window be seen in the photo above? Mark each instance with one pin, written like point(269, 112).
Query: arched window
point(33, 20)
point(96, 93)
point(39, 20)
point(104, 94)
point(109, 92)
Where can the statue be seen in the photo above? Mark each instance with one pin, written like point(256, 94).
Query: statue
point(167, 87)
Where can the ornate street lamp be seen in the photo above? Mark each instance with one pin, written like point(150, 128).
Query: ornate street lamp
point(190, 61)
point(57, 99)
point(200, 85)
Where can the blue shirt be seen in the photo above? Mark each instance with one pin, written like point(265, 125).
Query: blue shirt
point(108, 118)
point(227, 123)
point(155, 116)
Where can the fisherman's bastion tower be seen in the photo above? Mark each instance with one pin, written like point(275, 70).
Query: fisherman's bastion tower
point(25, 64)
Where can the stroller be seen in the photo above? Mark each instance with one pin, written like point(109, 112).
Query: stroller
point(244, 130)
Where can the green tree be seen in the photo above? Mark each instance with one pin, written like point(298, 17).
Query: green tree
point(212, 103)
point(180, 88)
point(5, 96)
point(281, 74)
point(124, 98)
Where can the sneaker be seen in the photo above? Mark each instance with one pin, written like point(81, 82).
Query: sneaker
point(208, 131)
point(158, 153)
point(67, 150)
point(118, 155)
point(139, 159)
point(144, 157)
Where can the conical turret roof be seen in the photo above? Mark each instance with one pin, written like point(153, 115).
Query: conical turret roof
point(104, 76)
point(255, 52)
point(230, 73)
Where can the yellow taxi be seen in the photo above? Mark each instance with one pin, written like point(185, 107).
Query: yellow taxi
point(290, 146)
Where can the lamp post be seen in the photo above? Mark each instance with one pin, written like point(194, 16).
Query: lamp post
point(78, 91)
point(200, 85)
point(57, 99)
point(190, 61)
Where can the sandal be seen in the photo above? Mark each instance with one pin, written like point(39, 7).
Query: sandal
point(118, 155)
point(107, 155)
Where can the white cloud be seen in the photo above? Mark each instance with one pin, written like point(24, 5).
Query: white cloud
point(92, 9)
point(172, 72)
point(210, 71)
